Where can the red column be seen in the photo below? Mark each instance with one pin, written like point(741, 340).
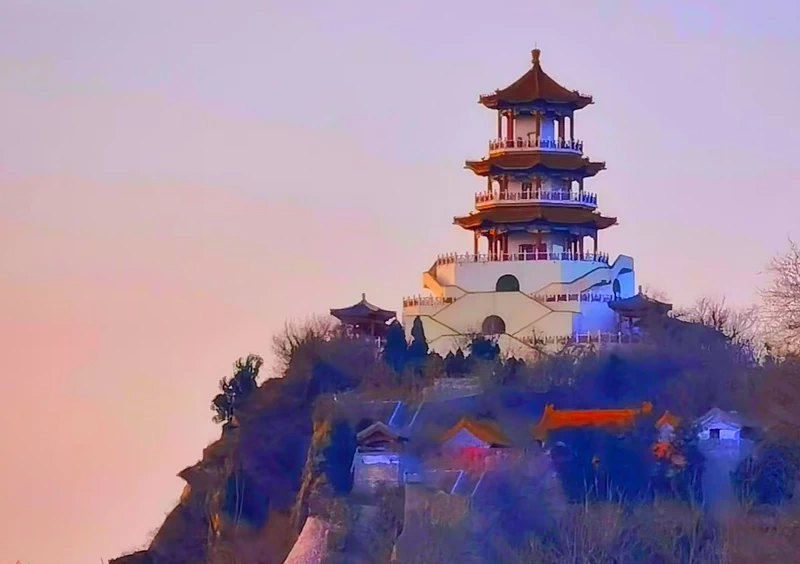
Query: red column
point(510, 125)
point(499, 124)
point(477, 236)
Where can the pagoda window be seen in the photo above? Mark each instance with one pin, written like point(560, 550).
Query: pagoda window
point(527, 251)
point(527, 190)
point(493, 325)
point(616, 289)
point(507, 283)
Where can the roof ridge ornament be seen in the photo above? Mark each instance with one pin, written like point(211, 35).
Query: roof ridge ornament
point(535, 55)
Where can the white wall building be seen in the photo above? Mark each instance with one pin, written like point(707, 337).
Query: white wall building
point(536, 277)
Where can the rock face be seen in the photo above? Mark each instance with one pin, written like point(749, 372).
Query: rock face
point(311, 544)
point(140, 557)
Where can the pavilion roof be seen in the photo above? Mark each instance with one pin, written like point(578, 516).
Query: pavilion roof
point(639, 305)
point(668, 419)
point(363, 310)
point(484, 429)
point(536, 160)
point(534, 213)
point(535, 85)
point(375, 431)
point(553, 419)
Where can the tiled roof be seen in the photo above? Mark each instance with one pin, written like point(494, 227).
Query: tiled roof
point(553, 419)
point(532, 86)
point(484, 429)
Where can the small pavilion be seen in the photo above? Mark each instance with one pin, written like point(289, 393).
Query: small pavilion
point(365, 319)
point(631, 311)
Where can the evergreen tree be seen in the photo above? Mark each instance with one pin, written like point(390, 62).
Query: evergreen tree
point(484, 348)
point(236, 389)
point(338, 456)
point(455, 365)
point(418, 349)
point(395, 351)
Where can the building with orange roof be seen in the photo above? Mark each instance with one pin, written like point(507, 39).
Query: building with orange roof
point(471, 432)
point(553, 419)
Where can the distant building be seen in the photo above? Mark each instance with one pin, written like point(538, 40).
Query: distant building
point(536, 270)
point(553, 419)
point(723, 428)
point(363, 319)
point(377, 460)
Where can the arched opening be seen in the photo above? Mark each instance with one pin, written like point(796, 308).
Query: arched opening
point(615, 287)
point(493, 325)
point(507, 283)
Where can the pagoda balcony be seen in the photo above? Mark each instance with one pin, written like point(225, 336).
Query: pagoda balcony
point(534, 144)
point(493, 197)
point(426, 301)
point(468, 258)
point(591, 338)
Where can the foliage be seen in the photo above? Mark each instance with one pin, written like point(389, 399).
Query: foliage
point(418, 349)
point(781, 312)
point(769, 476)
point(455, 364)
point(237, 389)
point(395, 351)
point(338, 455)
point(599, 463)
point(484, 348)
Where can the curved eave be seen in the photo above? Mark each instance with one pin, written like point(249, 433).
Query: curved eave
point(533, 162)
point(535, 214)
point(535, 86)
point(497, 101)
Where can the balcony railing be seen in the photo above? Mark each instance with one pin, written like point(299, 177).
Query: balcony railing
point(455, 258)
point(594, 337)
point(494, 196)
point(574, 297)
point(415, 301)
point(534, 144)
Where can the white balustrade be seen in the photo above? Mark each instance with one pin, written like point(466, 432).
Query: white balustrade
point(536, 144)
point(417, 301)
point(496, 196)
point(455, 258)
point(594, 337)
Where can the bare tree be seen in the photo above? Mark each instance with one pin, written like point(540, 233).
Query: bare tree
point(740, 326)
point(655, 293)
point(781, 312)
point(297, 335)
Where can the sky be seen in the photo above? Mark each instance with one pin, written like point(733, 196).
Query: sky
point(179, 177)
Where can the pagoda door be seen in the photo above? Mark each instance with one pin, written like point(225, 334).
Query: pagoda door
point(541, 250)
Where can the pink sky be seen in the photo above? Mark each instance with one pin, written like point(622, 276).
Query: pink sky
point(178, 178)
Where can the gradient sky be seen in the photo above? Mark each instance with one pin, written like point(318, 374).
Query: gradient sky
point(178, 177)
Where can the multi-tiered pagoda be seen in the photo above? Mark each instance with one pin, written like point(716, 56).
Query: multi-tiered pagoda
point(536, 273)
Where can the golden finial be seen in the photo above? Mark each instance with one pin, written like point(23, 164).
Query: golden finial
point(535, 56)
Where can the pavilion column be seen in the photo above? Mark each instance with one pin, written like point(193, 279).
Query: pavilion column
point(499, 124)
point(477, 237)
point(510, 125)
point(572, 127)
point(594, 239)
point(538, 125)
point(580, 246)
point(560, 127)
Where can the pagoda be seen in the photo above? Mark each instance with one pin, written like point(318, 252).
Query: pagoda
point(536, 272)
